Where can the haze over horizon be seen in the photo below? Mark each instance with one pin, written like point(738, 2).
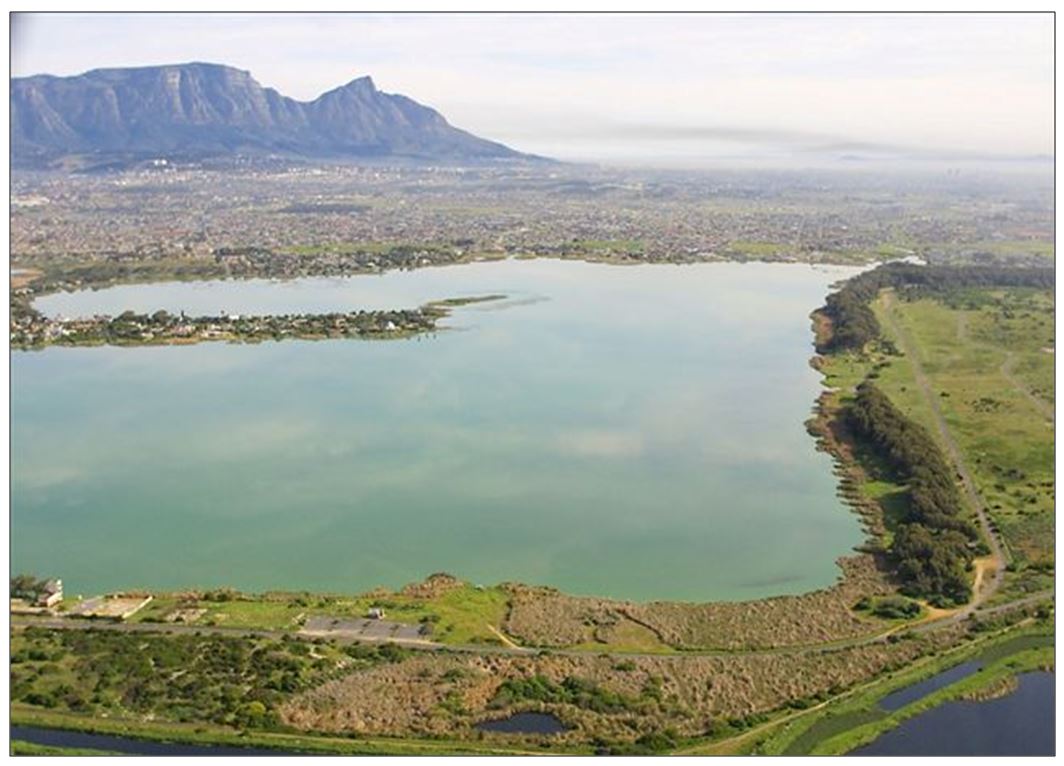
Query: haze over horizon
point(665, 89)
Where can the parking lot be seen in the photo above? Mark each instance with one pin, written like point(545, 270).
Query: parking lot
point(362, 628)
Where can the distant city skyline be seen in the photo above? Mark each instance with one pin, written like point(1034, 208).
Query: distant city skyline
point(625, 87)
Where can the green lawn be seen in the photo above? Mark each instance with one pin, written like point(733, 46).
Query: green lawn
point(463, 615)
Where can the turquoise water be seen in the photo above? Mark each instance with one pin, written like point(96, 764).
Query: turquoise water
point(624, 431)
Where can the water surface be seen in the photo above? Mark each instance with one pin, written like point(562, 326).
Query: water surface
point(525, 723)
point(902, 697)
point(624, 431)
point(1019, 724)
point(110, 743)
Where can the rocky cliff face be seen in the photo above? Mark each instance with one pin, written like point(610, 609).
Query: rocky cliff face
point(211, 109)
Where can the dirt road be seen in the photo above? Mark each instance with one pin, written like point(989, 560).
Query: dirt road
point(998, 551)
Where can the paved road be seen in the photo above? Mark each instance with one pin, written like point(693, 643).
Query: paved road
point(998, 552)
point(73, 623)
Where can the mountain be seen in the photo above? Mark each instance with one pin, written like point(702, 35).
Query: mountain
point(209, 110)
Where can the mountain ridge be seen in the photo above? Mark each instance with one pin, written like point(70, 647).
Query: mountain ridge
point(201, 108)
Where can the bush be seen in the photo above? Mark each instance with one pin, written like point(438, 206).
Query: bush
point(896, 608)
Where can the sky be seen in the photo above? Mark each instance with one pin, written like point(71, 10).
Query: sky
point(624, 87)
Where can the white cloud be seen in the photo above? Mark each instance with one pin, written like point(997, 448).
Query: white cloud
point(551, 83)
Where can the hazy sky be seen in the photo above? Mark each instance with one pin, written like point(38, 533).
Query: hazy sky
point(627, 86)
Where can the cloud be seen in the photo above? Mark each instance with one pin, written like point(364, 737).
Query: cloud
point(959, 82)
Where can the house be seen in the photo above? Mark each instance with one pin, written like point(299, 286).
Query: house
point(51, 593)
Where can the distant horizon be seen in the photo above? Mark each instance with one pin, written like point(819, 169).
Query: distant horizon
point(954, 98)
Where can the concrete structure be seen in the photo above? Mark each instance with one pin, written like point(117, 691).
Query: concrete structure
point(51, 593)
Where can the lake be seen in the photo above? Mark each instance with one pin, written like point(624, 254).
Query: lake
point(631, 431)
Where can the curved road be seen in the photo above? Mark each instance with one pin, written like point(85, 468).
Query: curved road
point(74, 623)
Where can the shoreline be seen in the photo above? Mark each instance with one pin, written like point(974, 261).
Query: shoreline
point(861, 574)
point(604, 640)
point(822, 427)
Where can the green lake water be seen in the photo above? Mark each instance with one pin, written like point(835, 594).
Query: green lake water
point(635, 432)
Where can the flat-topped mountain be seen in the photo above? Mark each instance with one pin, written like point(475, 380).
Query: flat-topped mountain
point(209, 109)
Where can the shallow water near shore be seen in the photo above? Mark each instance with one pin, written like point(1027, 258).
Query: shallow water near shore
point(635, 432)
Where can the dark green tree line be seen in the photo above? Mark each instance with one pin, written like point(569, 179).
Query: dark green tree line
point(933, 543)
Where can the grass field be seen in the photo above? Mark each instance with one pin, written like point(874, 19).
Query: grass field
point(988, 356)
point(462, 614)
point(18, 747)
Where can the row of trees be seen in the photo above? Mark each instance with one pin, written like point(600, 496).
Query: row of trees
point(933, 543)
point(853, 322)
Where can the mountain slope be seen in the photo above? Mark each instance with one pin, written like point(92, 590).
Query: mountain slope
point(210, 109)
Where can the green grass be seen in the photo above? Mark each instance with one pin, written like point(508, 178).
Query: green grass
point(891, 498)
point(253, 614)
point(159, 607)
point(891, 250)
point(19, 747)
point(1019, 584)
point(1007, 442)
point(458, 616)
point(830, 726)
point(845, 371)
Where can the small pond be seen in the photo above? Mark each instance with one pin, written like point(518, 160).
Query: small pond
point(525, 723)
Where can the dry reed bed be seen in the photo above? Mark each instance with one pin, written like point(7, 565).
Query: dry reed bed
point(445, 694)
point(545, 617)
